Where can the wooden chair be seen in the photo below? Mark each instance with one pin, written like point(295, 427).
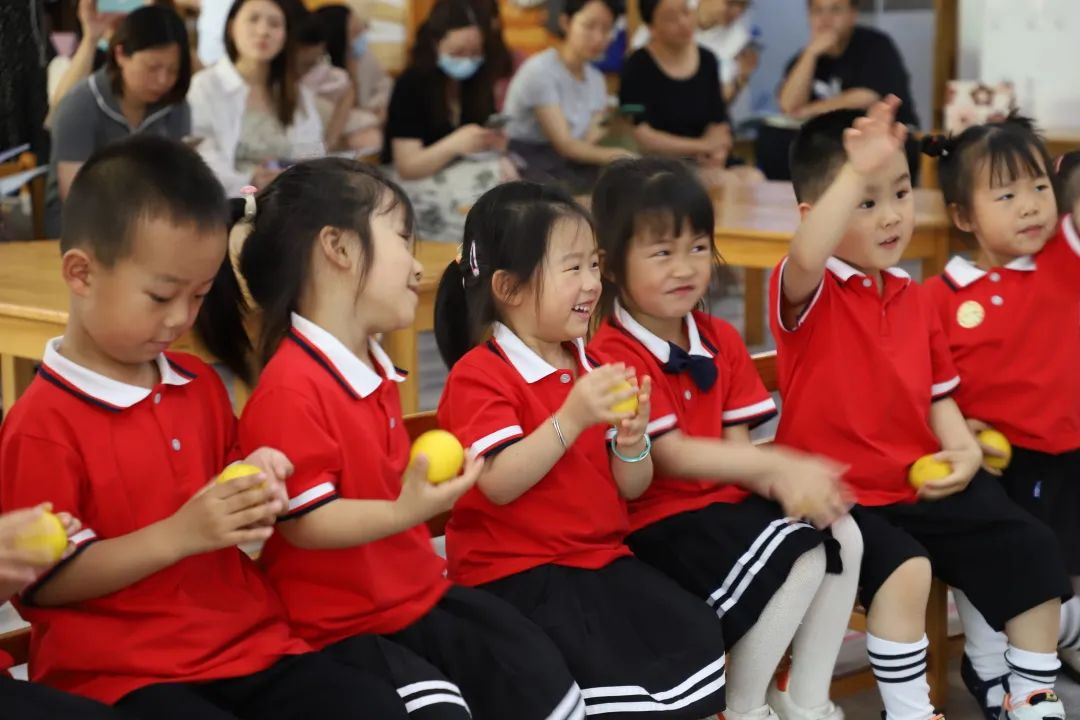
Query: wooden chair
point(36, 189)
point(937, 610)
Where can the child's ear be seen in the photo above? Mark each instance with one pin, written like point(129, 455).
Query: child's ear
point(502, 288)
point(77, 268)
point(335, 247)
point(804, 208)
point(960, 217)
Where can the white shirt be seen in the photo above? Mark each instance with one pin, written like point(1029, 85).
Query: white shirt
point(218, 100)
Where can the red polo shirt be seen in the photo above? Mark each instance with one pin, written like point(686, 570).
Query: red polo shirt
point(1014, 333)
point(119, 458)
point(737, 398)
point(857, 376)
point(340, 424)
point(497, 394)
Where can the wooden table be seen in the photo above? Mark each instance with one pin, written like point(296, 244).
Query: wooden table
point(34, 308)
point(755, 225)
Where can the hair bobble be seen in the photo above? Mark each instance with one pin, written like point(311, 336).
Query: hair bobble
point(248, 193)
point(938, 146)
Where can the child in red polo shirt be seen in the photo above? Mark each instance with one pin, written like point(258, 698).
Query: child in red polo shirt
point(866, 378)
point(722, 516)
point(156, 610)
point(1012, 325)
point(544, 526)
point(18, 569)
point(329, 259)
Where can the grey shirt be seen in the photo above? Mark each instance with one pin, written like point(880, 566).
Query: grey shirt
point(544, 80)
point(88, 118)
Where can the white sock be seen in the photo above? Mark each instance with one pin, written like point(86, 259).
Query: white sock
point(755, 657)
point(1069, 633)
point(984, 646)
point(817, 643)
point(1030, 671)
point(900, 671)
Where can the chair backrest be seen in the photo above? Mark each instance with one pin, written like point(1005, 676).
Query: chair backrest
point(28, 161)
point(765, 363)
point(16, 643)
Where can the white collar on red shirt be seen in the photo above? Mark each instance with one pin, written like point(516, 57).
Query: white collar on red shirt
point(657, 346)
point(962, 272)
point(362, 379)
point(529, 365)
point(1071, 236)
point(845, 272)
point(101, 388)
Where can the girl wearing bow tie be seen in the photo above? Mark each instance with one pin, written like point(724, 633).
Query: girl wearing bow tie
point(762, 534)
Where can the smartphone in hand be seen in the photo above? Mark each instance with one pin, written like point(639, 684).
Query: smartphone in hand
point(496, 121)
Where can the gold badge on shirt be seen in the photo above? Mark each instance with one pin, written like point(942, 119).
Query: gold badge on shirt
point(970, 315)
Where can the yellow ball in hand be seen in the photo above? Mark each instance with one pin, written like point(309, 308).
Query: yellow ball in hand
point(928, 469)
point(994, 439)
point(630, 404)
point(238, 470)
point(46, 534)
point(444, 454)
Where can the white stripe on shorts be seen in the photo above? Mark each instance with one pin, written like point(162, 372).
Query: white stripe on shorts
point(753, 560)
point(448, 693)
point(638, 699)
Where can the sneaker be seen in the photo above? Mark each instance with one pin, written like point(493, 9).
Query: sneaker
point(762, 713)
point(1039, 705)
point(785, 708)
point(980, 689)
point(1070, 663)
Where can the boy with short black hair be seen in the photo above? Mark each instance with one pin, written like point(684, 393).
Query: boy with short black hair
point(866, 375)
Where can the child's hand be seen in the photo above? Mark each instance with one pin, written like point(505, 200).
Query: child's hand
point(224, 515)
point(965, 463)
point(19, 567)
point(276, 469)
point(873, 140)
point(629, 438)
point(808, 486)
point(976, 427)
point(590, 402)
point(420, 499)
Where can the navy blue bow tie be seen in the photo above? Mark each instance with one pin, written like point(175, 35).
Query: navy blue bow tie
point(702, 369)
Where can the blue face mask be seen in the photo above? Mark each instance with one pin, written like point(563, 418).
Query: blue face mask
point(359, 45)
point(460, 68)
point(103, 44)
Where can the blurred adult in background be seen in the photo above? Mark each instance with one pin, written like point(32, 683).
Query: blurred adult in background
point(251, 117)
point(557, 102)
point(442, 142)
point(24, 53)
point(723, 28)
point(141, 88)
point(679, 108)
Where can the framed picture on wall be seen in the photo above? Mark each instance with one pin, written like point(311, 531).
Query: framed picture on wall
point(970, 102)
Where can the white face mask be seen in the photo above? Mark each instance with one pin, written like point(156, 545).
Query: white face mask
point(460, 68)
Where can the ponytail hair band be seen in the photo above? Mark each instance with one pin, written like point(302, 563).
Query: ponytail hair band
point(248, 193)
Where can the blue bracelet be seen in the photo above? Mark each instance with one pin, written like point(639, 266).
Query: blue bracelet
point(644, 453)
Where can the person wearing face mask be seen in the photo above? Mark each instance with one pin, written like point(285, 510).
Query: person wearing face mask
point(140, 89)
point(347, 28)
point(557, 102)
point(442, 142)
point(250, 114)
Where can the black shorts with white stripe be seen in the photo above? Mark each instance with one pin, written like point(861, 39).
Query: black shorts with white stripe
point(734, 555)
point(1048, 486)
point(471, 655)
point(978, 541)
point(636, 642)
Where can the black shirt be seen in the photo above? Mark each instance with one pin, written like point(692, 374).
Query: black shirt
point(680, 107)
point(870, 61)
point(411, 112)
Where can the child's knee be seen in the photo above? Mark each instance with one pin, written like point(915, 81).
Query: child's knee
point(911, 579)
point(808, 571)
point(846, 532)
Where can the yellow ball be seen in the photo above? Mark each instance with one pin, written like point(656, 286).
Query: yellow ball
point(238, 470)
point(927, 469)
point(444, 453)
point(45, 534)
point(630, 404)
point(994, 439)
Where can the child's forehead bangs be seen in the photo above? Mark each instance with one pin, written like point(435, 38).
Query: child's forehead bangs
point(666, 203)
point(1011, 157)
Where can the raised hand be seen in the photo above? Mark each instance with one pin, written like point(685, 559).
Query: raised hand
point(874, 139)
